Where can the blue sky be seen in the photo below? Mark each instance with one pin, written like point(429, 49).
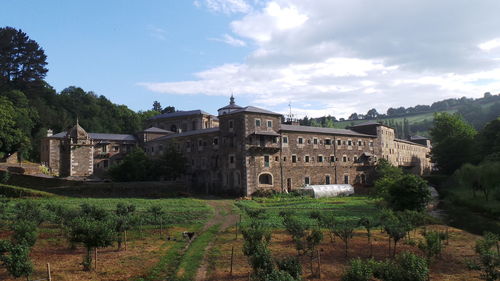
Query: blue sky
point(325, 56)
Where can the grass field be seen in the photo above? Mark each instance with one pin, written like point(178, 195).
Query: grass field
point(150, 256)
point(344, 208)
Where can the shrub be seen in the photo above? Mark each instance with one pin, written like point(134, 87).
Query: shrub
point(25, 233)
point(359, 270)
point(406, 267)
point(291, 265)
point(432, 244)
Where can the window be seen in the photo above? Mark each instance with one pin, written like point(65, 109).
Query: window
point(231, 159)
point(194, 125)
point(200, 143)
point(320, 158)
point(306, 159)
point(327, 179)
point(346, 179)
point(332, 158)
point(284, 158)
point(257, 122)
point(285, 139)
point(344, 142)
point(339, 142)
point(307, 181)
point(315, 141)
point(355, 158)
point(104, 148)
point(275, 140)
point(328, 141)
point(231, 124)
point(308, 141)
point(266, 179)
point(276, 159)
point(266, 161)
point(349, 142)
point(269, 123)
point(344, 158)
point(360, 143)
point(301, 141)
point(216, 141)
point(294, 158)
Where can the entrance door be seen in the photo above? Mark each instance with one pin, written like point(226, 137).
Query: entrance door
point(289, 184)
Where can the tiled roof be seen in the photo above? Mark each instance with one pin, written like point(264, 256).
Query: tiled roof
point(418, 138)
point(332, 131)
point(254, 109)
point(408, 142)
point(179, 114)
point(189, 133)
point(101, 136)
point(367, 123)
point(156, 130)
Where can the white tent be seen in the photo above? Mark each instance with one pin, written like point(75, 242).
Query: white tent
point(327, 190)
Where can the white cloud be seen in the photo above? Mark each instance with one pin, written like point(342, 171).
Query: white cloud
point(230, 40)
point(157, 32)
point(345, 56)
point(489, 45)
point(225, 6)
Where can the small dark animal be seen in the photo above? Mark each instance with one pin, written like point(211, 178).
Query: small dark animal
point(188, 235)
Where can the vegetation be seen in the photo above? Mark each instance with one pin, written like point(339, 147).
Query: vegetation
point(453, 141)
point(136, 166)
point(405, 267)
point(488, 250)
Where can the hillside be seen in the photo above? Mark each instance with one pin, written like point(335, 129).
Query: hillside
point(419, 119)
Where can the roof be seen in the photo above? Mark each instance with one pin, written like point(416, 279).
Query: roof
point(179, 114)
point(156, 130)
point(418, 138)
point(231, 106)
point(409, 142)
point(332, 131)
point(367, 123)
point(266, 133)
point(254, 109)
point(101, 136)
point(188, 133)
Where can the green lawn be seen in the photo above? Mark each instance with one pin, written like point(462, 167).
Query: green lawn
point(344, 208)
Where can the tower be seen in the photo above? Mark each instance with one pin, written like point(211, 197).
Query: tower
point(77, 153)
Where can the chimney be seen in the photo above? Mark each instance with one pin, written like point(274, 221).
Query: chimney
point(49, 133)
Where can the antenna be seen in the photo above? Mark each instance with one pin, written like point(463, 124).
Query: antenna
point(290, 116)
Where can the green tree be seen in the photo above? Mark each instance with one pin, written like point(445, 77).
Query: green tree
point(409, 192)
point(136, 166)
point(157, 106)
point(488, 140)
point(22, 60)
point(123, 222)
point(15, 258)
point(24, 233)
point(171, 165)
point(92, 234)
point(453, 141)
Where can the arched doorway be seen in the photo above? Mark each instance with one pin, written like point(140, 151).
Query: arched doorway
point(266, 179)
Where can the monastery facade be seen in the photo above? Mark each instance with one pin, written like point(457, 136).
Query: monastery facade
point(244, 150)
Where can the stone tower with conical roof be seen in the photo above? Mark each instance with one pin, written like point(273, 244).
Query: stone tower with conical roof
point(77, 153)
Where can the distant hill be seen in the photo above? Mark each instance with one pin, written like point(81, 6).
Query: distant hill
point(419, 119)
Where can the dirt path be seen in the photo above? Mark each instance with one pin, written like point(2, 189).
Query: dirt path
point(226, 217)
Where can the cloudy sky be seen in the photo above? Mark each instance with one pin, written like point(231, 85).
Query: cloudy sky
point(323, 56)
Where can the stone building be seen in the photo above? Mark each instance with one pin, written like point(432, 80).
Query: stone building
point(252, 149)
point(77, 153)
point(244, 150)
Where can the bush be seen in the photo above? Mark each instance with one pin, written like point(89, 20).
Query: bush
point(291, 265)
point(409, 192)
point(359, 270)
point(25, 233)
point(406, 267)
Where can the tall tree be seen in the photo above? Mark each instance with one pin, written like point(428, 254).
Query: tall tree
point(168, 109)
point(22, 60)
point(452, 142)
point(156, 106)
point(372, 114)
